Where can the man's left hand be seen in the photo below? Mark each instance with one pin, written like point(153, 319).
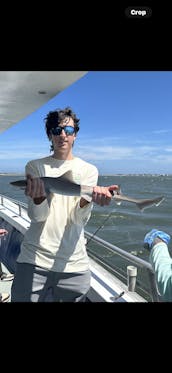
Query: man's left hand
point(102, 195)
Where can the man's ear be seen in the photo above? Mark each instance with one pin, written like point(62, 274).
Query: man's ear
point(73, 140)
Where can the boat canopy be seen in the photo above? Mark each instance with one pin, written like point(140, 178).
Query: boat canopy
point(23, 92)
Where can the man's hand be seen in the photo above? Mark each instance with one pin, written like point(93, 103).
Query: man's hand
point(155, 236)
point(102, 195)
point(35, 189)
point(3, 232)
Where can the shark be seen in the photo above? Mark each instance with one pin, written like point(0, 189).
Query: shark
point(64, 186)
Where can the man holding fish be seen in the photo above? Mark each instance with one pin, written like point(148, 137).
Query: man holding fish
point(53, 265)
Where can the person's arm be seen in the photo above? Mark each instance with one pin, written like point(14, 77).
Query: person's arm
point(162, 264)
point(81, 212)
point(101, 195)
point(83, 202)
point(38, 206)
point(157, 243)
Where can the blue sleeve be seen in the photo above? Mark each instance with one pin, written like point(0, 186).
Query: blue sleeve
point(162, 265)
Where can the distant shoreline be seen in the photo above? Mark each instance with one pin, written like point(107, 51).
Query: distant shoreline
point(105, 175)
point(10, 174)
point(136, 174)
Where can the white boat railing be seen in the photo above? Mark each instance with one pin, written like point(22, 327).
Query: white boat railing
point(20, 207)
point(5, 201)
point(130, 257)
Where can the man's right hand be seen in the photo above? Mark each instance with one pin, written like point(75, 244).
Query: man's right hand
point(35, 189)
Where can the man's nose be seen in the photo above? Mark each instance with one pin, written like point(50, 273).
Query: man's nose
point(63, 133)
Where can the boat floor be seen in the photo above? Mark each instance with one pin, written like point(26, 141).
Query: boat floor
point(5, 287)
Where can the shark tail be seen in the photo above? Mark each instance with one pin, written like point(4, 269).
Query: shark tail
point(147, 203)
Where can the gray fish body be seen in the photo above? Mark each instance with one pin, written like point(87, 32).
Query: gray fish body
point(141, 203)
point(61, 185)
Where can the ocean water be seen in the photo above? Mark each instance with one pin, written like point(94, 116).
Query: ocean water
point(124, 226)
point(127, 225)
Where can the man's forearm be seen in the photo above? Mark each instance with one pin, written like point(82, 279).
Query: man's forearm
point(83, 202)
point(38, 201)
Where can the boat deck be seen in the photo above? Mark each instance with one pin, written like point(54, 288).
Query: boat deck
point(98, 292)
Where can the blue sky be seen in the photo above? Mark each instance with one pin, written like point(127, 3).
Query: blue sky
point(125, 124)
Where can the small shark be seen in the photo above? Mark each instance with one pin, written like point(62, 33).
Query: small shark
point(140, 202)
point(62, 185)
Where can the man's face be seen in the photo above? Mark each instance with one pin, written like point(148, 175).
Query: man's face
point(63, 141)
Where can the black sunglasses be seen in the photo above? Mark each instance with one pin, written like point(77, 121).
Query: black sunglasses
point(69, 130)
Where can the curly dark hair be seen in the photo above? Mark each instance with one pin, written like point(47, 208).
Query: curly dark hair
point(53, 118)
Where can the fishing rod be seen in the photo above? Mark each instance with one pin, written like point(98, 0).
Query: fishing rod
point(101, 226)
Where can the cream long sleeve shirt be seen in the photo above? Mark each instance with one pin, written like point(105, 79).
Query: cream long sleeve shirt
point(55, 239)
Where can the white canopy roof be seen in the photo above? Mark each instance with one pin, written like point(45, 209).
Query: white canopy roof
point(23, 92)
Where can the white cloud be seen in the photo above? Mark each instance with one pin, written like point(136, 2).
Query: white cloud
point(117, 152)
point(92, 150)
point(22, 151)
point(157, 132)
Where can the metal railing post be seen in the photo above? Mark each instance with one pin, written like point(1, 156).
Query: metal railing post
point(131, 277)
